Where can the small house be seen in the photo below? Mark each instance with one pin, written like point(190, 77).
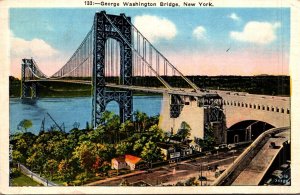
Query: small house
point(125, 162)
point(132, 161)
point(119, 163)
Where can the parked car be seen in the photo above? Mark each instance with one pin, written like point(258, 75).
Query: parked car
point(202, 178)
point(231, 146)
point(284, 167)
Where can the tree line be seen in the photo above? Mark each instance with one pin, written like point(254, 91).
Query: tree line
point(76, 156)
point(262, 84)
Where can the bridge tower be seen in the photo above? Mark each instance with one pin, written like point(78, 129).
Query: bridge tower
point(28, 89)
point(103, 30)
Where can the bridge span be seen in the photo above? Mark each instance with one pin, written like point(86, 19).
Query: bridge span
point(114, 47)
point(237, 108)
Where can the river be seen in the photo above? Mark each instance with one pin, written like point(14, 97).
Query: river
point(69, 111)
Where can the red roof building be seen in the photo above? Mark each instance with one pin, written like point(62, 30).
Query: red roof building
point(125, 162)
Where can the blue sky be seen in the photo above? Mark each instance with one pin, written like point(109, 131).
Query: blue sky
point(62, 30)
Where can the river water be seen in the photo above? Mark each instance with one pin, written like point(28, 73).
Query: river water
point(70, 110)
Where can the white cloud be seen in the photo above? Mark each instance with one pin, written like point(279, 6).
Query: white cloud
point(257, 32)
point(155, 28)
point(33, 48)
point(48, 58)
point(234, 16)
point(199, 32)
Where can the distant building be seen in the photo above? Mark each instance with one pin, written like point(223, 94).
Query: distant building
point(125, 162)
point(173, 151)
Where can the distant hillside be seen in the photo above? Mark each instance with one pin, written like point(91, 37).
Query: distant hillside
point(262, 84)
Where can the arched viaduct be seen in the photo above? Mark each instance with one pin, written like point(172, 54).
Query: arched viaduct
point(236, 107)
point(274, 110)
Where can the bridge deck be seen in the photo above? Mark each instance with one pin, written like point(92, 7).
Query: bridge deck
point(175, 91)
point(255, 171)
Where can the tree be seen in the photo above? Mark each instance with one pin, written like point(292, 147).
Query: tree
point(126, 128)
point(140, 119)
point(151, 152)
point(123, 148)
point(138, 146)
point(112, 128)
point(66, 170)
point(97, 135)
point(18, 156)
point(157, 133)
point(36, 157)
point(209, 140)
point(97, 164)
point(85, 153)
point(51, 167)
point(184, 132)
point(24, 125)
point(82, 177)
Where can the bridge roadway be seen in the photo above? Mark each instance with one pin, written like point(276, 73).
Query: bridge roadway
point(252, 165)
point(260, 164)
point(175, 91)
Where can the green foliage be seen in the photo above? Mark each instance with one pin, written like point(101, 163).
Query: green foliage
point(50, 167)
point(184, 132)
point(17, 156)
point(82, 177)
point(15, 172)
point(123, 148)
point(24, 125)
point(191, 182)
point(85, 152)
point(209, 140)
point(86, 155)
point(151, 152)
point(67, 170)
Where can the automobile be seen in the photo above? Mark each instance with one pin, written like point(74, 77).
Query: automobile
point(223, 147)
point(202, 178)
point(284, 167)
point(193, 160)
point(230, 146)
point(269, 182)
point(277, 174)
point(216, 148)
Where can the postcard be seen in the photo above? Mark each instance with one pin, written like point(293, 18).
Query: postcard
point(149, 97)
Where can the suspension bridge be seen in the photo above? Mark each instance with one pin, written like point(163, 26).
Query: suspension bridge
point(115, 48)
point(114, 53)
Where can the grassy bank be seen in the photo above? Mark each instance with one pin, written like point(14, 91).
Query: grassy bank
point(23, 180)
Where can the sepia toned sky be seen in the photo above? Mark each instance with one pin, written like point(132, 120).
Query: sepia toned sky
point(198, 41)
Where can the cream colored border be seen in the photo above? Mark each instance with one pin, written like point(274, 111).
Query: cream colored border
point(4, 105)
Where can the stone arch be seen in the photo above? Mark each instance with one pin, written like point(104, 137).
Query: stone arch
point(247, 130)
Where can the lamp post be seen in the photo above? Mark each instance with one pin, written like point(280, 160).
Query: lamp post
point(201, 174)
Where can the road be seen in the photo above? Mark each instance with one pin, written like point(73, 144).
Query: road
point(173, 173)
